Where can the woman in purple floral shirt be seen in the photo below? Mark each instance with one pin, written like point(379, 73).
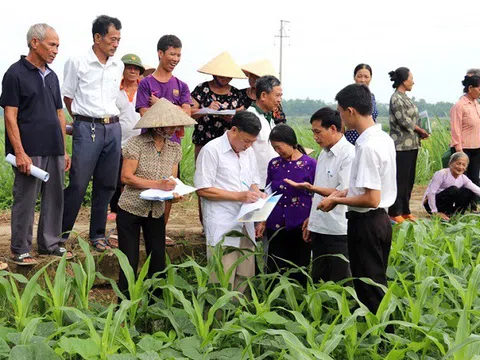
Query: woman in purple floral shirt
point(284, 226)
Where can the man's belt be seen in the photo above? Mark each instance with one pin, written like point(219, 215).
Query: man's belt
point(103, 120)
point(350, 215)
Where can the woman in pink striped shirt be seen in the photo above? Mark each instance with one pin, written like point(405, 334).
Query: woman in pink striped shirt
point(450, 191)
point(465, 125)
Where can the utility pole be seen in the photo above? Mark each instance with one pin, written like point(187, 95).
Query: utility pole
point(282, 34)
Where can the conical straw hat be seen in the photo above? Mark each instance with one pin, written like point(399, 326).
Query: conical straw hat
point(163, 113)
point(223, 65)
point(260, 68)
point(148, 70)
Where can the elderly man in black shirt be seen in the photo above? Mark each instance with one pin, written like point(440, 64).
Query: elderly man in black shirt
point(35, 134)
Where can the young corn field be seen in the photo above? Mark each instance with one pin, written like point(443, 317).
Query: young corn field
point(431, 301)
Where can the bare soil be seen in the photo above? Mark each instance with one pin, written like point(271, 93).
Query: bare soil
point(183, 226)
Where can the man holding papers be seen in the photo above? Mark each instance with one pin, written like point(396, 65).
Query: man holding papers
point(35, 133)
point(149, 160)
point(224, 166)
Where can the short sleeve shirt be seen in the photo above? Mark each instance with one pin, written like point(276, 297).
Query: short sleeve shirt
point(91, 85)
point(174, 90)
point(37, 98)
point(152, 166)
point(210, 127)
point(374, 167)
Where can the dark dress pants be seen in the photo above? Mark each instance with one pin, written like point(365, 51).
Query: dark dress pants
point(288, 245)
point(100, 159)
point(473, 169)
point(327, 267)
point(118, 190)
point(369, 242)
point(406, 166)
point(128, 228)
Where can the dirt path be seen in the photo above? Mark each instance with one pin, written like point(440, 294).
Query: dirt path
point(183, 225)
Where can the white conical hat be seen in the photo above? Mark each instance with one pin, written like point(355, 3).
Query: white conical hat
point(260, 68)
point(223, 65)
point(163, 113)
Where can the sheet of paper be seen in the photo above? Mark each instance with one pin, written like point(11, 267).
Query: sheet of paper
point(34, 171)
point(424, 121)
point(162, 195)
point(208, 111)
point(263, 213)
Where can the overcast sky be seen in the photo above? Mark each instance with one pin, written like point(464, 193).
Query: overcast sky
point(437, 40)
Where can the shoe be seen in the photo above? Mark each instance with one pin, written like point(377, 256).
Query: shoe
point(409, 217)
point(397, 219)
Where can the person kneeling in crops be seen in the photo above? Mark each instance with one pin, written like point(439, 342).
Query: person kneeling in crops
point(450, 190)
point(149, 160)
point(227, 176)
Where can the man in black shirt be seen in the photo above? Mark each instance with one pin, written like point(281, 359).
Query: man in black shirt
point(35, 133)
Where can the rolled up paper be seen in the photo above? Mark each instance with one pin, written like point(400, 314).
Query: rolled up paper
point(34, 171)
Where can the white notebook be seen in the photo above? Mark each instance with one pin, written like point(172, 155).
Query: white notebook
point(162, 195)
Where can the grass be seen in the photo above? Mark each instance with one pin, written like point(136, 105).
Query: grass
point(432, 302)
point(429, 158)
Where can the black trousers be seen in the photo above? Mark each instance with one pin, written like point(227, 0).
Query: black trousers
point(128, 227)
point(369, 242)
point(473, 169)
point(452, 200)
point(288, 245)
point(406, 166)
point(328, 268)
point(118, 191)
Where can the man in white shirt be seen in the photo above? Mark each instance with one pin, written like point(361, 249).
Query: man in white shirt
point(327, 231)
point(223, 168)
point(268, 91)
point(90, 90)
point(371, 191)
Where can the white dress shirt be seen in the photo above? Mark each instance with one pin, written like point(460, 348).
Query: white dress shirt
point(128, 116)
point(374, 167)
point(218, 166)
point(91, 85)
point(263, 149)
point(333, 171)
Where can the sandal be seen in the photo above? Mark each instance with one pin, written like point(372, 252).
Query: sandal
point(59, 251)
point(112, 239)
point(100, 244)
point(19, 259)
point(3, 265)
point(169, 241)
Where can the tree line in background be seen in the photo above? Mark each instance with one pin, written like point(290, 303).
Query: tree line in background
point(306, 107)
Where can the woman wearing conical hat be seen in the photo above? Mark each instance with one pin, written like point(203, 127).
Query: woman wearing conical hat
point(216, 94)
point(254, 71)
point(149, 159)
